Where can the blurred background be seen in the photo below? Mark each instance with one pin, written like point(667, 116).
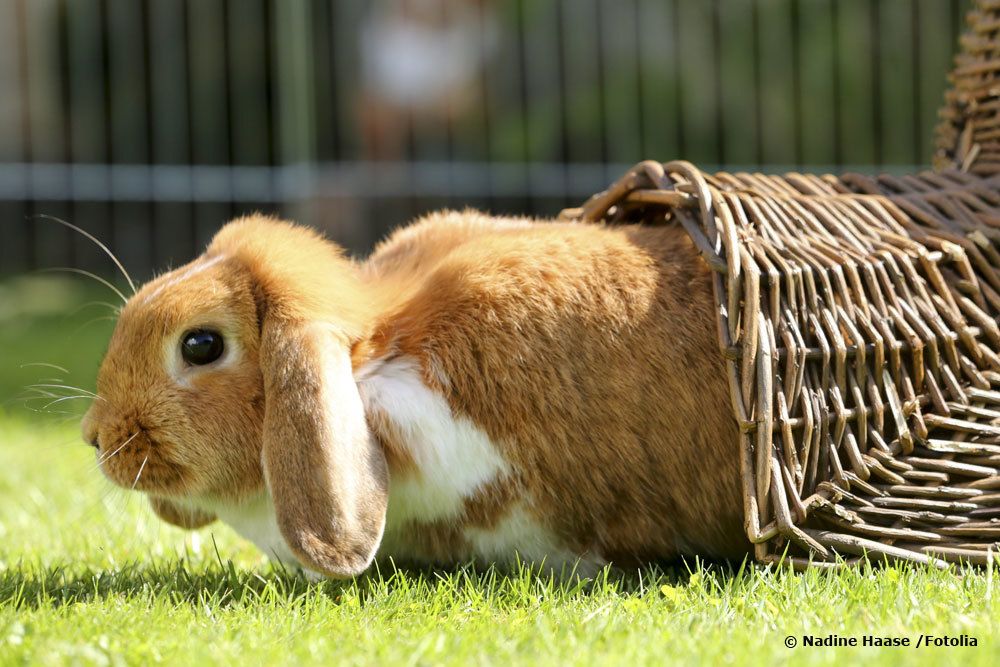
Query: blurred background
point(149, 123)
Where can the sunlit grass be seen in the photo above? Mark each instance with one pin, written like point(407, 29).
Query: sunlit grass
point(89, 576)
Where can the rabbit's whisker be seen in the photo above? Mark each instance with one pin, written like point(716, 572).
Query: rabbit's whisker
point(86, 324)
point(45, 364)
point(72, 415)
point(100, 245)
point(66, 398)
point(141, 468)
point(104, 459)
point(42, 385)
point(70, 269)
point(110, 306)
point(25, 402)
point(41, 394)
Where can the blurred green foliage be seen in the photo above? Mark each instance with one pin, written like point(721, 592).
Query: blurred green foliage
point(46, 321)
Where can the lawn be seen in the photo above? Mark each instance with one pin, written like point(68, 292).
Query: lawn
point(89, 576)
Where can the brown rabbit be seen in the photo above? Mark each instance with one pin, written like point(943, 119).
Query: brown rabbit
point(478, 389)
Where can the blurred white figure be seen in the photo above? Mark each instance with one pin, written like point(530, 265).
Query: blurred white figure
point(421, 60)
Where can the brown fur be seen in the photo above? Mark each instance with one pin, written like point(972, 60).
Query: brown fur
point(587, 354)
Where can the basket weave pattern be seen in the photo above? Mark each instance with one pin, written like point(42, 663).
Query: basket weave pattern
point(858, 318)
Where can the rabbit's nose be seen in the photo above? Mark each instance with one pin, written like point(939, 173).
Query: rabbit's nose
point(89, 430)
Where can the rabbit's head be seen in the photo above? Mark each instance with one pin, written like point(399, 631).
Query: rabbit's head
point(232, 376)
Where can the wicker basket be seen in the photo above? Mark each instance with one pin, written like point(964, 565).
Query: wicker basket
point(858, 317)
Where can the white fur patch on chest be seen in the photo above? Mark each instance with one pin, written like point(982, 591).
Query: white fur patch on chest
point(453, 457)
point(255, 521)
point(454, 460)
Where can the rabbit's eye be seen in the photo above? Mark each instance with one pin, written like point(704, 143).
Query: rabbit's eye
point(201, 346)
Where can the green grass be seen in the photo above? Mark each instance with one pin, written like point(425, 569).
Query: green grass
point(89, 576)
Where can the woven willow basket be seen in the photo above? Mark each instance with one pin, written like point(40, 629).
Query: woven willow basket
point(858, 318)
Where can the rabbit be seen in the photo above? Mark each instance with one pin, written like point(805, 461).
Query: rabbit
point(479, 389)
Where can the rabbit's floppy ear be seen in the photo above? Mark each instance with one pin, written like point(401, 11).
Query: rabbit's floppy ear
point(327, 476)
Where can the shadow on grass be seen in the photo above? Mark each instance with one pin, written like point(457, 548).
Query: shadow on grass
point(223, 584)
point(35, 586)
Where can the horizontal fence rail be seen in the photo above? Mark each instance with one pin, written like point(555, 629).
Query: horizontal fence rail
point(42, 182)
point(150, 122)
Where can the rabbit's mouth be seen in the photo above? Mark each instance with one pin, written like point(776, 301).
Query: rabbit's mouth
point(139, 463)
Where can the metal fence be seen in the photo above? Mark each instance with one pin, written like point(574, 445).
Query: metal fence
point(150, 122)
